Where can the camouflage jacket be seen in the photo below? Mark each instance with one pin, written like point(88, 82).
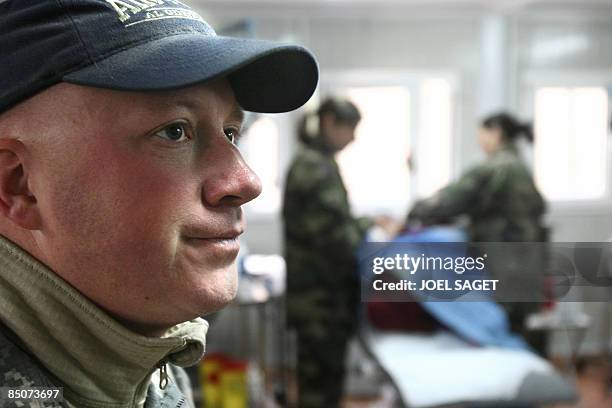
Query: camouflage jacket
point(21, 370)
point(499, 196)
point(321, 237)
point(52, 336)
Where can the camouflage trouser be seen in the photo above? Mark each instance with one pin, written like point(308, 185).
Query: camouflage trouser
point(324, 322)
point(321, 369)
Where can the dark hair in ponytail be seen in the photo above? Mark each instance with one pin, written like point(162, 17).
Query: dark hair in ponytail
point(343, 111)
point(304, 131)
point(510, 127)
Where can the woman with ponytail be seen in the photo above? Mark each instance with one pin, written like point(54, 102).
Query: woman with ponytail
point(321, 238)
point(503, 205)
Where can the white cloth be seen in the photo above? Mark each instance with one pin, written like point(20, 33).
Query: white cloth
point(443, 369)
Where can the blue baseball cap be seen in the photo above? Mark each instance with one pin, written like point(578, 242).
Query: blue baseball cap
point(142, 45)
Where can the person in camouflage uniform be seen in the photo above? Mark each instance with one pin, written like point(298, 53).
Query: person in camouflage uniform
point(503, 205)
point(499, 195)
point(321, 237)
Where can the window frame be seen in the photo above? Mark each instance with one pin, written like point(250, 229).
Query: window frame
point(333, 80)
point(537, 79)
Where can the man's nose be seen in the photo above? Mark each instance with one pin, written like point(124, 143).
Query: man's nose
point(228, 179)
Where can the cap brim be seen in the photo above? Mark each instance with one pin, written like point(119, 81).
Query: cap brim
point(266, 76)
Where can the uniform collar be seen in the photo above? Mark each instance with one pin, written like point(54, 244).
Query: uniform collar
point(507, 147)
point(98, 361)
point(317, 143)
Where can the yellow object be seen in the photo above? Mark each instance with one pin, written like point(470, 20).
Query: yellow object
point(234, 385)
point(210, 372)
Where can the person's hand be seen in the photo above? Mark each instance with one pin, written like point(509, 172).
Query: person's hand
point(390, 225)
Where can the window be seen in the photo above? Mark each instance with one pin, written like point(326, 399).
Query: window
point(571, 136)
point(260, 148)
point(374, 166)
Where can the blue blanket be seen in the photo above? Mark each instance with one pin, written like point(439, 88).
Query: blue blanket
point(480, 322)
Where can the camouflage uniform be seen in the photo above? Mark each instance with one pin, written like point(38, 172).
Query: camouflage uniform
point(503, 205)
point(499, 196)
point(321, 237)
point(19, 370)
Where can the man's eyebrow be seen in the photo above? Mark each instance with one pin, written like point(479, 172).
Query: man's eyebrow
point(237, 114)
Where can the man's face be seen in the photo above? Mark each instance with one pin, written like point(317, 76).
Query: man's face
point(140, 197)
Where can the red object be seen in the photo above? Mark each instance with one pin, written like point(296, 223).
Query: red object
point(235, 365)
point(405, 316)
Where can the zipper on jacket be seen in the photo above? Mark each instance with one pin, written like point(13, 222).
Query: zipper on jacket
point(163, 375)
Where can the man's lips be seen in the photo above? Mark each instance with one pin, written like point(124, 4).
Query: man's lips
point(219, 242)
point(214, 229)
point(232, 234)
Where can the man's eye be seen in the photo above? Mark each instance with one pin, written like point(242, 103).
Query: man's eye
point(175, 132)
point(232, 134)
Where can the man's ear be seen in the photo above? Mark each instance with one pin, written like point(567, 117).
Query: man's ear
point(17, 202)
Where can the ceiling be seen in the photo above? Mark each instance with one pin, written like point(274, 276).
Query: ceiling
point(481, 3)
point(596, 7)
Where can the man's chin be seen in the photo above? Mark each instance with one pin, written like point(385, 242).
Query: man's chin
point(214, 305)
point(220, 296)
